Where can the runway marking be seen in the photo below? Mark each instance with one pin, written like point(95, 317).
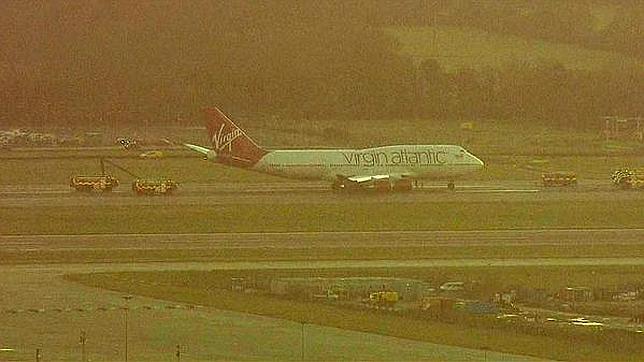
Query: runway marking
point(336, 240)
point(397, 232)
point(43, 192)
point(497, 191)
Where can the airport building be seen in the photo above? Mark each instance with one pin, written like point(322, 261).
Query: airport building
point(349, 288)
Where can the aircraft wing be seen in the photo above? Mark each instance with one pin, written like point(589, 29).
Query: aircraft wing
point(202, 150)
point(384, 181)
point(366, 179)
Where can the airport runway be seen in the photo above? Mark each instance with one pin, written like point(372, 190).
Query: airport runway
point(298, 193)
point(351, 239)
point(318, 186)
point(41, 310)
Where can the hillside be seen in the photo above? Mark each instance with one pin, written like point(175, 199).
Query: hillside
point(67, 64)
point(458, 47)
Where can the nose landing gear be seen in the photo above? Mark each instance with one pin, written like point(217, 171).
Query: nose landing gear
point(451, 186)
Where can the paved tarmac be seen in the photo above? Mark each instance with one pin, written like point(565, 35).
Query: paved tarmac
point(338, 239)
point(38, 309)
point(298, 193)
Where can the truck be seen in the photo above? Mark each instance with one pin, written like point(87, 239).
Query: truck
point(96, 183)
point(146, 186)
point(163, 186)
point(559, 178)
point(382, 299)
point(629, 179)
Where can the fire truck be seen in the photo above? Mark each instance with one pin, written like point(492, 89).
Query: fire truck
point(94, 183)
point(627, 179)
point(382, 299)
point(154, 187)
point(105, 182)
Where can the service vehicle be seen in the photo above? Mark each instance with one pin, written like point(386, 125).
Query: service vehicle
point(629, 179)
point(152, 155)
point(163, 186)
point(383, 298)
point(328, 294)
point(559, 178)
point(95, 183)
point(452, 286)
point(127, 143)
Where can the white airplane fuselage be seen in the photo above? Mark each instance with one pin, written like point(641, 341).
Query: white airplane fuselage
point(414, 161)
point(231, 146)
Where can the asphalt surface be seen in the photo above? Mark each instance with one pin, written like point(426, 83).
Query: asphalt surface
point(402, 239)
point(38, 309)
point(298, 193)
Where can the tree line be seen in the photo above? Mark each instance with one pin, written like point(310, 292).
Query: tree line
point(595, 24)
point(70, 63)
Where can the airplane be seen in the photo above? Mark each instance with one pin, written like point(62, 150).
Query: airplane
point(383, 168)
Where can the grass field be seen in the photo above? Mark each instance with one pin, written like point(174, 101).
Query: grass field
point(350, 216)
point(212, 289)
point(488, 137)
point(458, 47)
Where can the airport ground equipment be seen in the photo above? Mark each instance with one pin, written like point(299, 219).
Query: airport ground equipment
point(154, 187)
point(152, 155)
point(127, 143)
point(559, 178)
point(384, 299)
point(105, 182)
point(144, 186)
point(104, 161)
point(628, 179)
point(96, 183)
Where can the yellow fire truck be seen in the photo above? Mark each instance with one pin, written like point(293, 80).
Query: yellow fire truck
point(629, 179)
point(105, 182)
point(382, 299)
point(154, 187)
point(96, 183)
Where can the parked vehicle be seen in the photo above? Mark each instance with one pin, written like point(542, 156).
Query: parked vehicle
point(154, 187)
point(96, 183)
point(628, 179)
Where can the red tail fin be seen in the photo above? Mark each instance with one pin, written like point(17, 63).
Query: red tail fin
point(231, 143)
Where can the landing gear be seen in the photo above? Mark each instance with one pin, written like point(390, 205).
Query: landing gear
point(451, 186)
point(337, 185)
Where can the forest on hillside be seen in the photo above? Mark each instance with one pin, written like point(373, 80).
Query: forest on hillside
point(92, 62)
point(595, 24)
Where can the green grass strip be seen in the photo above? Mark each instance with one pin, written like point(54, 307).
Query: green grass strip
point(262, 217)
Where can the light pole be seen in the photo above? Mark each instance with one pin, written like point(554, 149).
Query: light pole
point(83, 340)
point(302, 355)
point(127, 307)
